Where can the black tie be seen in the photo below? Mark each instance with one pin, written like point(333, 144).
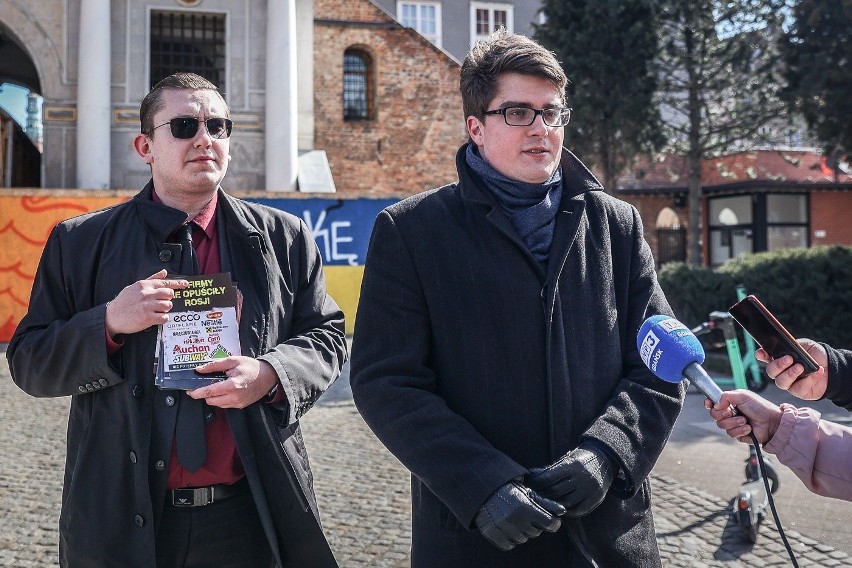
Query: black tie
point(191, 441)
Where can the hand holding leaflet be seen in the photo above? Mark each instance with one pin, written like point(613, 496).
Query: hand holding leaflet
point(201, 327)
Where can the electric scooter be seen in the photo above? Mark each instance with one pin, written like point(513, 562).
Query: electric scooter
point(750, 504)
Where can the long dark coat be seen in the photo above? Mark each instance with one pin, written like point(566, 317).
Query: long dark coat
point(472, 364)
point(117, 457)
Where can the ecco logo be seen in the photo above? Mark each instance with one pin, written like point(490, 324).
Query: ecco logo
point(187, 317)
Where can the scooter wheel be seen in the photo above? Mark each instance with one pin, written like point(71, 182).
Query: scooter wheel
point(749, 529)
point(751, 533)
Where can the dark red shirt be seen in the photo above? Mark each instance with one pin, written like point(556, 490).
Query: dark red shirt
point(223, 463)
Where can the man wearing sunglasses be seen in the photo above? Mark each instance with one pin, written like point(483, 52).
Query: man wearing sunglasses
point(495, 343)
point(217, 476)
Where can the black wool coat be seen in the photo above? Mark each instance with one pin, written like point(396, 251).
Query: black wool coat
point(115, 479)
point(473, 364)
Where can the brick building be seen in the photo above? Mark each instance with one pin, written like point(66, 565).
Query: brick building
point(386, 102)
point(753, 201)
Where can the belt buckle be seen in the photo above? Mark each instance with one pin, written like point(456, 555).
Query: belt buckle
point(192, 497)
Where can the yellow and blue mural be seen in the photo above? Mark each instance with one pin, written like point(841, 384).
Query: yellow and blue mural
point(341, 228)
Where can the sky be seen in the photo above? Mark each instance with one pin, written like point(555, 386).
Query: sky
point(13, 99)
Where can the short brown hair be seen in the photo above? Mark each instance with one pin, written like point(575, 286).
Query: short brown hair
point(153, 101)
point(504, 52)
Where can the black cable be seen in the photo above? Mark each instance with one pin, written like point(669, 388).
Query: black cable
point(771, 500)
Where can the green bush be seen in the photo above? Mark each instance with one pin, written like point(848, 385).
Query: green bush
point(695, 291)
point(808, 290)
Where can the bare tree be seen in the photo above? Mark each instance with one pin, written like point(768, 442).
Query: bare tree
point(719, 83)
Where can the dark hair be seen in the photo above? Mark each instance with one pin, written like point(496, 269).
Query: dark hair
point(153, 101)
point(504, 52)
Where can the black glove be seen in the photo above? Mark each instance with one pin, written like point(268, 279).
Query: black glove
point(579, 480)
point(514, 514)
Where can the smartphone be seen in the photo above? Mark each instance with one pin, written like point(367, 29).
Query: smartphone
point(770, 334)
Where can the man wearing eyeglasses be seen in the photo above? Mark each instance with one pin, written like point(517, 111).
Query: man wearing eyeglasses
point(216, 476)
point(494, 350)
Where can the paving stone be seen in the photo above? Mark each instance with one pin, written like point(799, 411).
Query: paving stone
point(362, 492)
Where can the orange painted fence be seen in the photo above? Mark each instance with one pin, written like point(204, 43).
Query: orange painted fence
point(25, 224)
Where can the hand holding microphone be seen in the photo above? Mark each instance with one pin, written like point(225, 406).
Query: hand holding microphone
point(672, 352)
point(753, 414)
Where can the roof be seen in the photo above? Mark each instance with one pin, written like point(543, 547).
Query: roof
point(776, 169)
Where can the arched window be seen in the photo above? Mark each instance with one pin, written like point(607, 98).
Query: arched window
point(357, 85)
point(671, 237)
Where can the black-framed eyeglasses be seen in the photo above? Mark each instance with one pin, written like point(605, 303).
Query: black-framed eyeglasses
point(524, 116)
point(185, 127)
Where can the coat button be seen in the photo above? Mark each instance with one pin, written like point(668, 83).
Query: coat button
point(139, 520)
point(132, 457)
point(160, 465)
point(170, 400)
point(81, 388)
point(103, 382)
point(165, 255)
point(89, 387)
point(138, 391)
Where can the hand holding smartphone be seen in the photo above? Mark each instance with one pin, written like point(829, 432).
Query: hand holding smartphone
point(770, 334)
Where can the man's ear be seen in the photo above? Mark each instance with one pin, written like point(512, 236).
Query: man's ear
point(475, 130)
point(142, 145)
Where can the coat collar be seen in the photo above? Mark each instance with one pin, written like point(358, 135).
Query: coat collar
point(576, 179)
point(162, 220)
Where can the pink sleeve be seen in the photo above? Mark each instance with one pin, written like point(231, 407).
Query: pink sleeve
point(819, 452)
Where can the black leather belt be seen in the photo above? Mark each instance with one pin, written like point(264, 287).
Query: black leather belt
point(201, 496)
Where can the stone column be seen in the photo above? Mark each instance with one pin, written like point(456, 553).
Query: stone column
point(94, 109)
point(281, 96)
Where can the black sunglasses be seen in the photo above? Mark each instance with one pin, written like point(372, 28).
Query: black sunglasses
point(185, 127)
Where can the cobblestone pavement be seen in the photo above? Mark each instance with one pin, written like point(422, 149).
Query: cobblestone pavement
point(362, 491)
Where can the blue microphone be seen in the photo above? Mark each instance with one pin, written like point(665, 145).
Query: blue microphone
point(672, 352)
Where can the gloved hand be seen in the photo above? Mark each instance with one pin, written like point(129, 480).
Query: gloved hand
point(579, 480)
point(514, 514)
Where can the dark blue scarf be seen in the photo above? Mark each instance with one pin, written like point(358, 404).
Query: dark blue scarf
point(530, 207)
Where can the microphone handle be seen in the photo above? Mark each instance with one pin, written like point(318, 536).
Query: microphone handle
point(699, 377)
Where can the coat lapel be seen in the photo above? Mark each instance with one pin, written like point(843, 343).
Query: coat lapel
point(243, 256)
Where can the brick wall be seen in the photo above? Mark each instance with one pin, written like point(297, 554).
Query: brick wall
point(830, 212)
point(410, 145)
point(649, 207)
